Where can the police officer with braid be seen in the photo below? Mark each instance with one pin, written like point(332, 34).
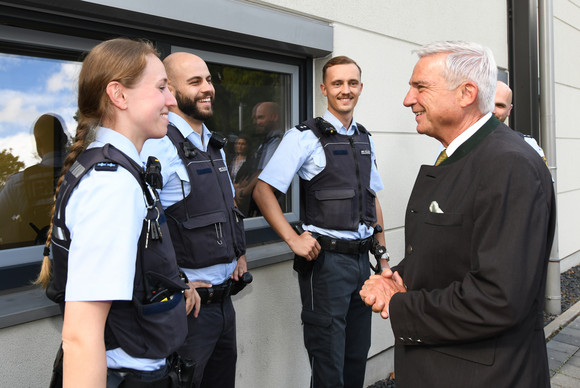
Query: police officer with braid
point(335, 160)
point(113, 269)
point(206, 227)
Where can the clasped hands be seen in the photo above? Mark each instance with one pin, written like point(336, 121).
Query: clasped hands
point(378, 290)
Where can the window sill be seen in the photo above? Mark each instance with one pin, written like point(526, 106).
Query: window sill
point(25, 305)
point(28, 304)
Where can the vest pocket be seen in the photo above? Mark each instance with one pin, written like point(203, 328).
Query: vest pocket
point(335, 208)
point(370, 210)
point(239, 232)
point(203, 241)
point(162, 326)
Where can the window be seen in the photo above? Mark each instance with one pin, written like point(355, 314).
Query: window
point(37, 109)
point(36, 119)
point(256, 102)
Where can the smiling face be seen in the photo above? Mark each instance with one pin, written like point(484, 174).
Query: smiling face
point(342, 87)
point(190, 81)
point(148, 102)
point(437, 109)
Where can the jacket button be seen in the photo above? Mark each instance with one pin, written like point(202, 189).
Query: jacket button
point(409, 249)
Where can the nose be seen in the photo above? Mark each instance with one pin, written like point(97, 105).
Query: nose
point(207, 87)
point(409, 98)
point(169, 98)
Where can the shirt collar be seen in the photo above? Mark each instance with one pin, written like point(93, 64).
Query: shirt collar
point(338, 125)
point(188, 132)
point(120, 142)
point(465, 135)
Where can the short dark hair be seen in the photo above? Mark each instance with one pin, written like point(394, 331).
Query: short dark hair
point(340, 60)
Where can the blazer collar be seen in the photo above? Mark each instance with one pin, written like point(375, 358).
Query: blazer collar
point(473, 141)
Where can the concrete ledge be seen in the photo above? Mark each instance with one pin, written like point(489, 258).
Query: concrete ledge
point(561, 321)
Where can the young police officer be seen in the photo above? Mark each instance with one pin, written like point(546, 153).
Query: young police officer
point(205, 226)
point(334, 158)
point(114, 273)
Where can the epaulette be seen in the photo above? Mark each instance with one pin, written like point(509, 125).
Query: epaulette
point(106, 166)
point(362, 129)
point(302, 127)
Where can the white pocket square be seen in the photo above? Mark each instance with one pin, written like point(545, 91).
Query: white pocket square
point(434, 207)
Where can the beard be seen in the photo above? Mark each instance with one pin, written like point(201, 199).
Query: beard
point(189, 107)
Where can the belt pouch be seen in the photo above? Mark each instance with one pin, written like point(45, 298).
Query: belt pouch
point(302, 266)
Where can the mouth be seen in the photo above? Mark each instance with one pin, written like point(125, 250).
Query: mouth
point(417, 114)
point(206, 100)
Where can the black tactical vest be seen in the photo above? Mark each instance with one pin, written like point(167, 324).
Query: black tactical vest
point(340, 197)
point(205, 226)
point(154, 323)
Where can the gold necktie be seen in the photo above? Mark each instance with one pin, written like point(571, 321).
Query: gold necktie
point(442, 156)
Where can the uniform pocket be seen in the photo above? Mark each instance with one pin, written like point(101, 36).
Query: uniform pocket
point(310, 317)
point(336, 208)
point(202, 237)
point(444, 219)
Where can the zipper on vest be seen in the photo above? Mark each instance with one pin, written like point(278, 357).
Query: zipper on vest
point(360, 199)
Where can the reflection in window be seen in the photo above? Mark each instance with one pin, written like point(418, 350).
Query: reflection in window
point(252, 110)
point(37, 106)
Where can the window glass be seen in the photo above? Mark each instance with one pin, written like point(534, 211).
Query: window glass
point(252, 109)
point(37, 111)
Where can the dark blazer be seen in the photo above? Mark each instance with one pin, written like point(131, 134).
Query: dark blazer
point(476, 272)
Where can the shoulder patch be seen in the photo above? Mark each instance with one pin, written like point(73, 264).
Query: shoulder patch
point(106, 166)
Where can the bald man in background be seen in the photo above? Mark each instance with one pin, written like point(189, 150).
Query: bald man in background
point(503, 101)
point(502, 110)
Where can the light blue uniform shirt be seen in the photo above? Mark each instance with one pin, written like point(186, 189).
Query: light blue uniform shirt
point(174, 174)
point(301, 153)
point(105, 215)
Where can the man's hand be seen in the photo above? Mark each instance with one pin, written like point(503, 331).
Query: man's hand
point(241, 268)
point(305, 245)
point(379, 289)
point(192, 298)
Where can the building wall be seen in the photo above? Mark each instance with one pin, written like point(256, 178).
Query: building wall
point(379, 36)
point(567, 91)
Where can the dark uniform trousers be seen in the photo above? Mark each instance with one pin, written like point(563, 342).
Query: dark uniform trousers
point(211, 345)
point(337, 324)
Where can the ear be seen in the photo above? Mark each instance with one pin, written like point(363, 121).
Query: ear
point(323, 89)
point(116, 94)
point(469, 92)
point(171, 88)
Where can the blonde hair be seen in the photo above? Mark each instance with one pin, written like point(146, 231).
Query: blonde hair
point(121, 60)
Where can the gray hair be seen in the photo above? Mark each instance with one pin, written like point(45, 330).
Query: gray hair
point(467, 61)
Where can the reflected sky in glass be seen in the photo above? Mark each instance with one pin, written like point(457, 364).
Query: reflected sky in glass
point(30, 87)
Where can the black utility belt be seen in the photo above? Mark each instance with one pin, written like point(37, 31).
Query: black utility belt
point(130, 378)
point(215, 294)
point(347, 247)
